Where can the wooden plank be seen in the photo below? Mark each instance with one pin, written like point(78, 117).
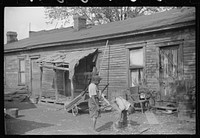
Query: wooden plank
point(54, 67)
point(165, 107)
point(47, 100)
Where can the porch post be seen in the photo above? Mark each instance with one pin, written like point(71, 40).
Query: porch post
point(72, 88)
point(55, 85)
point(41, 72)
point(64, 88)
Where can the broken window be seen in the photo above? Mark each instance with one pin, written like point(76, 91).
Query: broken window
point(169, 62)
point(136, 66)
point(21, 72)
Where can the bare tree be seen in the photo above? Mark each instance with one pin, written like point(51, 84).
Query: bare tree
point(99, 15)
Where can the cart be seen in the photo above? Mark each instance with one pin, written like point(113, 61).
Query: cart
point(73, 105)
point(82, 97)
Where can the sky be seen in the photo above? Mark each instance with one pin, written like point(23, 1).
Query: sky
point(23, 19)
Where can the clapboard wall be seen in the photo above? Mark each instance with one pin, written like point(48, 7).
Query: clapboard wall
point(114, 68)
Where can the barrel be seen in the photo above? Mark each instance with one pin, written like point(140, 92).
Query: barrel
point(13, 112)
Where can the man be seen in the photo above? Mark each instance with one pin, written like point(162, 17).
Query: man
point(124, 109)
point(93, 103)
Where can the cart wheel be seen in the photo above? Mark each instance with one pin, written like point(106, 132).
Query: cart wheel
point(75, 110)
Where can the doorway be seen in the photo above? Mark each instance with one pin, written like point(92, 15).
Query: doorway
point(34, 76)
point(169, 69)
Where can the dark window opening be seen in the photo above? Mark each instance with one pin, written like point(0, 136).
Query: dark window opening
point(21, 78)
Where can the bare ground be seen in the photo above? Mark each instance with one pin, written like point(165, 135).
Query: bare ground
point(50, 119)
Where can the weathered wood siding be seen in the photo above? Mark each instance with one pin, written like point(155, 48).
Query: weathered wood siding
point(117, 67)
point(189, 54)
point(12, 71)
point(113, 68)
point(47, 83)
point(151, 66)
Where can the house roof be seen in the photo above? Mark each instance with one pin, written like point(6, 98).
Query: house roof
point(147, 22)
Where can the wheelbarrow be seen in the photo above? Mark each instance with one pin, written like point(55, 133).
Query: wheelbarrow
point(74, 105)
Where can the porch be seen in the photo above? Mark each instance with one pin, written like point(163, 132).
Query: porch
point(68, 73)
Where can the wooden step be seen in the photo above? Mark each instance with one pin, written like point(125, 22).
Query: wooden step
point(165, 107)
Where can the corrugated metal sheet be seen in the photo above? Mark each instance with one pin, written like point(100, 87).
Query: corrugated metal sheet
point(130, 25)
point(70, 58)
point(66, 57)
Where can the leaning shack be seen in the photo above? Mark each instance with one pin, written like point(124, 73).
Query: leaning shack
point(148, 49)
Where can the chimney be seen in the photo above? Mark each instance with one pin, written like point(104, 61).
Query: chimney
point(11, 37)
point(79, 22)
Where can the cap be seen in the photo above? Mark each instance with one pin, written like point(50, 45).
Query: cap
point(96, 78)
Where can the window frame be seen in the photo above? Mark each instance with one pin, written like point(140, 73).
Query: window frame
point(20, 71)
point(170, 65)
point(170, 43)
point(129, 67)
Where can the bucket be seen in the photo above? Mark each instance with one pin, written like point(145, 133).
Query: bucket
point(36, 100)
point(13, 112)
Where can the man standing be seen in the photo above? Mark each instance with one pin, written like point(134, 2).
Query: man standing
point(93, 103)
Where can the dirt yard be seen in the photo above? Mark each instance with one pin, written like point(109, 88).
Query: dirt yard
point(50, 119)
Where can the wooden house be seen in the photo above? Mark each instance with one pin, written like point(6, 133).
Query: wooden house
point(148, 49)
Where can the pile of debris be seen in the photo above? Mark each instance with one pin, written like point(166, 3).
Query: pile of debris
point(19, 95)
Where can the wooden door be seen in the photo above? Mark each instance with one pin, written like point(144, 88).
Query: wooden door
point(169, 69)
point(35, 77)
point(67, 83)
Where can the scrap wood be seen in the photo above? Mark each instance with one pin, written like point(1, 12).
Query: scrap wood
point(8, 98)
point(9, 93)
point(24, 98)
point(143, 130)
point(164, 107)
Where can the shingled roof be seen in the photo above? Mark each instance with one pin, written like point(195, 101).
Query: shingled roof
point(138, 24)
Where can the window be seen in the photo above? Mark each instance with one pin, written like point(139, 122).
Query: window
point(169, 62)
point(21, 78)
point(136, 66)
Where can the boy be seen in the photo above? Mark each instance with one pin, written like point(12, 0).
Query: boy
point(93, 103)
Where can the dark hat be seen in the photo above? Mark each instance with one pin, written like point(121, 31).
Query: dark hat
point(96, 78)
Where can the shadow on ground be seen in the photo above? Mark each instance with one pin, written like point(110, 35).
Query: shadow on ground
point(20, 127)
point(106, 126)
point(20, 105)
